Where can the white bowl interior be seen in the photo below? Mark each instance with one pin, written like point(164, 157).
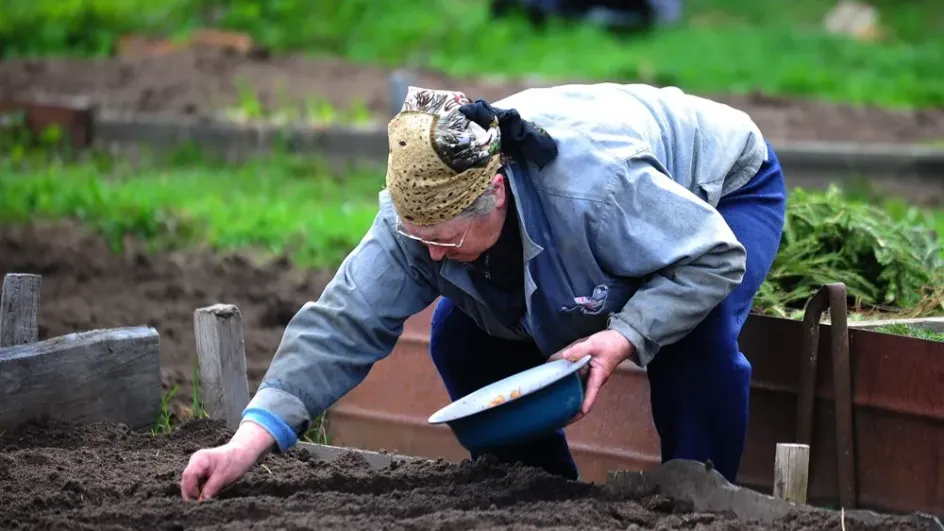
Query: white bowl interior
point(508, 389)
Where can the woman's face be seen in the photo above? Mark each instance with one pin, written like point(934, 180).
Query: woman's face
point(465, 238)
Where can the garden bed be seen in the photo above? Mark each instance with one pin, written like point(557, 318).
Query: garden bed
point(104, 476)
point(208, 82)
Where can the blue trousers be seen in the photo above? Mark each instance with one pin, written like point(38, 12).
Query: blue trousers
point(700, 385)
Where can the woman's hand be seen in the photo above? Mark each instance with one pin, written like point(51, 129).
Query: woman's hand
point(212, 469)
point(607, 350)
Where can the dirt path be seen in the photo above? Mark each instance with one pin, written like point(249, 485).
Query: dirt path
point(105, 477)
point(199, 82)
point(85, 286)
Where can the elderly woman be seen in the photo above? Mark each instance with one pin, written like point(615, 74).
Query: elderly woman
point(626, 222)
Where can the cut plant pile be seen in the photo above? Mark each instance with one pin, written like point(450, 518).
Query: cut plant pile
point(207, 82)
point(888, 263)
point(106, 477)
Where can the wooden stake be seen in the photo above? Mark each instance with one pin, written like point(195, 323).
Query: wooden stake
point(221, 354)
point(791, 472)
point(19, 309)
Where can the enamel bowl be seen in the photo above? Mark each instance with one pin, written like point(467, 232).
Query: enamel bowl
point(523, 406)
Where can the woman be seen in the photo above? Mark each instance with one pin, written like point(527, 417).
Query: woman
point(624, 222)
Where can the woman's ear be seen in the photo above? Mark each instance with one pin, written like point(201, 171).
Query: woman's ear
point(498, 181)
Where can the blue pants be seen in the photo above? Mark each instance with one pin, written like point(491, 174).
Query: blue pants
point(699, 386)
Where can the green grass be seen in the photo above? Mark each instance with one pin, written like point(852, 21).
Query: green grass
point(778, 47)
point(166, 421)
point(275, 205)
point(900, 329)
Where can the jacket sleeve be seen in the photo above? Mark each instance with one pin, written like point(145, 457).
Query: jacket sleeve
point(330, 344)
point(654, 228)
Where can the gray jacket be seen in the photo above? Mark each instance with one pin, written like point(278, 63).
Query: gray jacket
point(618, 232)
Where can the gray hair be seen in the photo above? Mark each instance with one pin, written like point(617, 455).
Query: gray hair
point(483, 204)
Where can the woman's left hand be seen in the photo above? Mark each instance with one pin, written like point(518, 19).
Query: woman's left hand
point(607, 350)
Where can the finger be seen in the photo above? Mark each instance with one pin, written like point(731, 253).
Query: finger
point(594, 383)
point(192, 476)
point(213, 486)
point(577, 351)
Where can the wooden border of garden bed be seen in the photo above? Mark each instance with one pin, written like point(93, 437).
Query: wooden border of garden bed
point(913, 171)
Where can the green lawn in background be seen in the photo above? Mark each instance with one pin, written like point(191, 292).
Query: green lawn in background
point(272, 205)
point(777, 46)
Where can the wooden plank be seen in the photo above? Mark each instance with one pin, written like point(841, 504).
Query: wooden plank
point(791, 472)
point(376, 460)
point(221, 353)
point(112, 375)
point(19, 309)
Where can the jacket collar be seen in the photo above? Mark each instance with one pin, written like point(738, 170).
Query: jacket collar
point(458, 274)
point(523, 194)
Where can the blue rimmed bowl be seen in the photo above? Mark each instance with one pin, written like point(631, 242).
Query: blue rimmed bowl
point(523, 406)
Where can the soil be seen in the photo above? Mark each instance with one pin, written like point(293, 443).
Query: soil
point(105, 477)
point(85, 286)
point(203, 81)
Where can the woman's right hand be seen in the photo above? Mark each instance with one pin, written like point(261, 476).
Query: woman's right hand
point(212, 469)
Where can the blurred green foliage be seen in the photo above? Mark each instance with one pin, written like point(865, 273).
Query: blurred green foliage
point(274, 205)
point(722, 46)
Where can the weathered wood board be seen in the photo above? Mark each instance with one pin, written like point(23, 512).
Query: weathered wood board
point(112, 374)
point(376, 460)
point(221, 355)
point(19, 307)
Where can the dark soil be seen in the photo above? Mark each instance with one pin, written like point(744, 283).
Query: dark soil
point(104, 477)
point(85, 287)
point(199, 82)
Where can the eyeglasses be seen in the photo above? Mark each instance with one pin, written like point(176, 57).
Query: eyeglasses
point(403, 232)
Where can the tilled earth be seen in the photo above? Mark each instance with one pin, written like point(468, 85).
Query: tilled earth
point(204, 81)
point(85, 286)
point(105, 477)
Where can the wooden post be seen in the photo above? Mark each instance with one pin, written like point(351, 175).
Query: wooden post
point(221, 353)
point(19, 309)
point(791, 472)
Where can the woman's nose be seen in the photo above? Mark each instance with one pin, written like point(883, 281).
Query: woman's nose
point(436, 252)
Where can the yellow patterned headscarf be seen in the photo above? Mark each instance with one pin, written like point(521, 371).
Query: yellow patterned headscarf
point(439, 161)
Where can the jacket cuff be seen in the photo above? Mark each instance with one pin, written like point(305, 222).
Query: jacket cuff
point(281, 414)
point(644, 350)
point(284, 437)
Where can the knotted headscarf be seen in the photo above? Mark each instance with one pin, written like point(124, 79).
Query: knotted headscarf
point(445, 150)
